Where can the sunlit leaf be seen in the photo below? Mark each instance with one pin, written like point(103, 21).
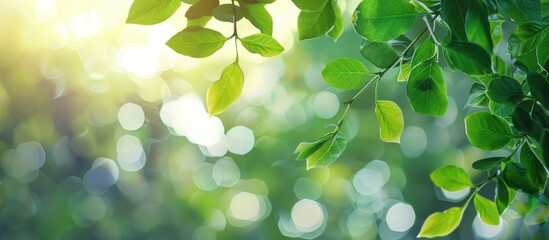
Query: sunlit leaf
point(382, 55)
point(487, 131)
point(258, 16)
point(339, 24)
point(197, 43)
point(486, 209)
point(148, 12)
point(328, 151)
point(225, 91)
point(345, 73)
point(423, 52)
point(440, 224)
point(404, 72)
point(310, 5)
point(315, 24)
point(381, 20)
point(263, 44)
point(426, 89)
point(390, 119)
point(451, 178)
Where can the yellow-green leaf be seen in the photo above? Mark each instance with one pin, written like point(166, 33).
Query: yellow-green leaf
point(451, 178)
point(226, 90)
point(391, 121)
point(197, 42)
point(440, 224)
point(263, 44)
point(148, 12)
point(487, 210)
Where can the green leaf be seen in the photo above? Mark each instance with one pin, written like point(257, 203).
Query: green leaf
point(198, 43)
point(487, 131)
point(227, 13)
point(339, 24)
point(504, 196)
point(225, 91)
point(263, 44)
point(307, 148)
point(201, 8)
point(469, 58)
point(539, 88)
point(477, 27)
point(516, 176)
point(404, 72)
point(327, 151)
point(500, 109)
point(381, 55)
point(440, 224)
point(426, 89)
point(505, 90)
point(381, 20)
point(486, 209)
point(534, 169)
point(477, 96)
point(453, 12)
point(521, 118)
point(496, 30)
point(345, 73)
point(258, 16)
point(423, 52)
point(199, 22)
point(488, 164)
point(310, 5)
point(315, 24)
point(391, 121)
point(148, 12)
point(526, 38)
point(521, 11)
point(451, 178)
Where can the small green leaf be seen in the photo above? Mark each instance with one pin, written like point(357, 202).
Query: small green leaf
point(488, 164)
point(423, 52)
point(467, 57)
point(504, 196)
point(315, 24)
point(477, 27)
point(451, 178)
point(487, 131)
point(404, 72)
point(307, 148)
point(381, 21)
point(327, 151)
point(477, 96)
point(339, 24)
point(345, 73)
point(310, 5)
point(198, 43)
point(148, 12)
point(391, 121)
point(201, 8)
point(521, 11)
point(226, 90)
point(539, 87)
point(258, 16)
point(381, 55)
point(227, 13)
point(440, 224)
point(263, 44)
point(505, 90)
point(426, 89)
point(486, 209)
point(526, 38)
point(516, 176)
point(534, 169)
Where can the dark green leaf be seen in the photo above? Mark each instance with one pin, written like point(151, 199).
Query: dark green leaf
point(534, 169)
point(453, 13)
point(381, 20)
point(426, 89)
point(539, 87)
point(504, 196)
point(390, 119)
point(477, 27)
point(524, 122)
point(505, 90)
point(339, 24)
point(515, 176)
point(201, 8)
point(477, 96)
point(487, 210)
point(544, 144)
point(487, 131)
point(488, 164)
point(469, 58)
point(526, 38)
point(225, 91)
point(263, 44)
point(440, 224)
point(198, 43)
point(310, 5)
point(423, 52)
point(345, 73)
point(148, 12)
point(379, 54)
point(451, 178)
point(315, 24)
point(227, 13)
point(328, 151)
point(521, 11)
point(258, 16)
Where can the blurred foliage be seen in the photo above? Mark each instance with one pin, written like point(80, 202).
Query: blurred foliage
point(103, 135)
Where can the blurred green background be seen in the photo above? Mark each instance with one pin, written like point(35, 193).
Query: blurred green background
point(104, 135)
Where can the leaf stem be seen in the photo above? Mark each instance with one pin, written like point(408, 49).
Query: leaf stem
point(235, 31)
